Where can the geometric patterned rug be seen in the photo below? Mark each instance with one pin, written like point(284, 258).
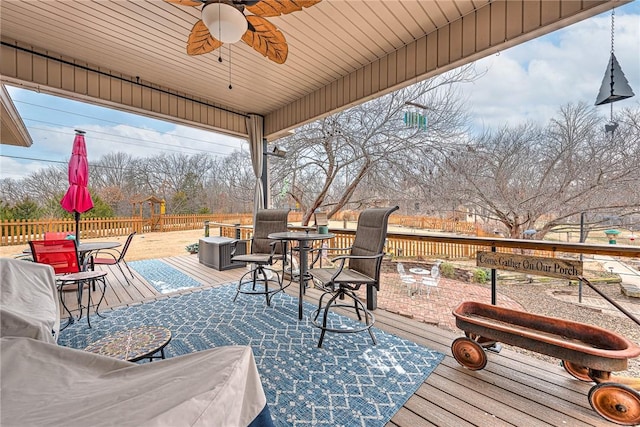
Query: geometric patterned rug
point(348, 382)
point(163, 277)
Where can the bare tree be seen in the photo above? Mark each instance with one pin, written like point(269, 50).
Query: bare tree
point(357, 156)
point(234, 182)
point(527, 177)
point(12, 191)
point(113, 179)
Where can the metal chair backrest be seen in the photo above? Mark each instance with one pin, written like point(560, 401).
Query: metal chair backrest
point(400, 268)
point(371, 234)
point(126, 246)
point(55, 235)
point(268, 221)
point(435, 271)
point(62, 255)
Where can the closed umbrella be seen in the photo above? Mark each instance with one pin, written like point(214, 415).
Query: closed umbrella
point(77, 199)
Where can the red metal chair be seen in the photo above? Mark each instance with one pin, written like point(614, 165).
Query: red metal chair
point(62, 255)
point(115, 257)
point(56, 235)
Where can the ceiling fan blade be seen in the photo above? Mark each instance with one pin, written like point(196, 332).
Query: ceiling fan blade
point(279, 7)
point(265, 38)
point(201, 41)
point(185, 2)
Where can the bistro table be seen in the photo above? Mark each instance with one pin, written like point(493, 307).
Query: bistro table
point(82, 277)
point(303, 238)
point(133, 344)
point(85, 249)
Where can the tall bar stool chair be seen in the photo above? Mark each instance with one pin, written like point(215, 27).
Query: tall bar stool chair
point(361, 266)
point(263, 279)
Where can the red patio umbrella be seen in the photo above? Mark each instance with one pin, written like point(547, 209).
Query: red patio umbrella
point(77, 199)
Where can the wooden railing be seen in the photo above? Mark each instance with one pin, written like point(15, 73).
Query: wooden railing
point(410, 245)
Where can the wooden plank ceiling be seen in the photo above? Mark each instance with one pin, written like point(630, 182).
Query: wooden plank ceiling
point(340, 53)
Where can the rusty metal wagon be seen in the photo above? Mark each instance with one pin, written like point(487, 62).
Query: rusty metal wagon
point(588, 353)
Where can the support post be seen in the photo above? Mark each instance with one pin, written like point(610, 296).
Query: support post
point(265, 174)
point(494, 284)
point(583, 237)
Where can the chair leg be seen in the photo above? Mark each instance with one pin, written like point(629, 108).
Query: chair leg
point(262, 271)
point(127, 265)
point(81, 284)
point(326, 316)
point(257, 275)
point(64, 305)
point(366, 321)
point(358, 305)
point(319, 305)
point(124, 275)
point(104, 291)
point(355, 304)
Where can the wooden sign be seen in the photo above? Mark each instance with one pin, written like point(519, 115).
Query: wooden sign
point(550, 267)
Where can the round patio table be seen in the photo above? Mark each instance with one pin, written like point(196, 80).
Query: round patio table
point(303, 237)
point(133, 344)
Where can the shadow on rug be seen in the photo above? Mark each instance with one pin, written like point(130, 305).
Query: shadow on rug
point(347, 382)
point(163, 277)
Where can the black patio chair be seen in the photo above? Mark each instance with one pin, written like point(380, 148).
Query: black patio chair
point(361, 266)
point(114, 257)
point(264, 254)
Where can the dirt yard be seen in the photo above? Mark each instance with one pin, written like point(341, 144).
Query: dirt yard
point(143, 246)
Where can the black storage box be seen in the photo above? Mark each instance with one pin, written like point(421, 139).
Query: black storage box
point(215, 252)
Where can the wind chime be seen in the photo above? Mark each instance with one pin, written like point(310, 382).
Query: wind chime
point(416, 118)
point(615, 86)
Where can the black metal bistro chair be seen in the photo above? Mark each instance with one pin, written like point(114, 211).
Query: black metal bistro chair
point(262, 279)
point(361, 266)
point(115, 257)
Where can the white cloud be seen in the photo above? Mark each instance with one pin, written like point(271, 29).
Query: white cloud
point(17, 169)
point(533, 80)
point(141, 142)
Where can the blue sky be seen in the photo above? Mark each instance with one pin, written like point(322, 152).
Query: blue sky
point(527, 82)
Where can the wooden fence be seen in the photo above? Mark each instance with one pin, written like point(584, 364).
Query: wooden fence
point(19, 232)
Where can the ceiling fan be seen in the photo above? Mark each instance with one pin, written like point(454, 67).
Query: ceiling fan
point(224, 21)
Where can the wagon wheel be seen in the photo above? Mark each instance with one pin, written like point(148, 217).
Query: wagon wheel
point(577, 371)
point(469, 353)
point(616, 402)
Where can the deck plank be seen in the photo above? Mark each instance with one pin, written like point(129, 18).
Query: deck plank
point(513, 389)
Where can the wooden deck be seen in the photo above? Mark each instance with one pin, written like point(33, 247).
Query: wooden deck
point(513, 389)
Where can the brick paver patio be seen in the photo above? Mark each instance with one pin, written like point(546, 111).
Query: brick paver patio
point(435, 308)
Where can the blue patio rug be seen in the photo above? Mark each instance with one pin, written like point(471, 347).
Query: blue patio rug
point(163, 277)
point(348, 382)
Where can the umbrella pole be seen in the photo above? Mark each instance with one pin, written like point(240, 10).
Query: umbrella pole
point(77, 214)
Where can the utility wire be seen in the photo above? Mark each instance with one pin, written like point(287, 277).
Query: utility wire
point(93, 165)
point(150, 144)
point(109, 121)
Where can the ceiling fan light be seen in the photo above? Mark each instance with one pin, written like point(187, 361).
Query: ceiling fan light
point(225, 22)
